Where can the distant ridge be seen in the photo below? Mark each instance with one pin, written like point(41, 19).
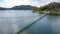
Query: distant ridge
point(1, 8)
point(21, 7)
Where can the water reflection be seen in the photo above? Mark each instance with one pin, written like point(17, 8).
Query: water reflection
point(56, 24)
point(47, 25)
point(11, 21)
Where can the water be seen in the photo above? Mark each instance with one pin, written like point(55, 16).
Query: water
point(47, 25)
point(11, 21)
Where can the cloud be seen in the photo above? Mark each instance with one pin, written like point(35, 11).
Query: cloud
point(11, 3)
point(45, 2)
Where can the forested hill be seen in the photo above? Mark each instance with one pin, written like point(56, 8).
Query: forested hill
point(51, 6)
point(21, 7)
point(1, 8)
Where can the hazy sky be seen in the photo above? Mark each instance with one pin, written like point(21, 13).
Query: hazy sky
point(11, 3)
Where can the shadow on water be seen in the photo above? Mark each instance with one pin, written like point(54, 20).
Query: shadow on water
point(30, 25)
point(47, 25)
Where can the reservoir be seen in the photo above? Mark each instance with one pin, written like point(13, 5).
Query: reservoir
point(13, 21)
point(47, 25)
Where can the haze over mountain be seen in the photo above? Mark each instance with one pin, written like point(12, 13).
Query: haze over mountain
point(38, 3)
point(21, 7)
point(52, 5)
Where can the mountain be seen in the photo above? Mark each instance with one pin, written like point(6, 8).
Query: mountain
point(1, 8)
point(22, 7)
point(51, 6)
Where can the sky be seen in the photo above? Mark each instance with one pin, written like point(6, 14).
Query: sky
point(11, 3)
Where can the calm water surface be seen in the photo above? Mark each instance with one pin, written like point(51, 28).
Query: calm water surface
point(11, 21)
point(47, 25)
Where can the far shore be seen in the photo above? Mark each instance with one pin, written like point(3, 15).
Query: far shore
point(48, 12)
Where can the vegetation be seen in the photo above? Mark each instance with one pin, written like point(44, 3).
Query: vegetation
point(21, 7)
point(2, 8)
point(52, 8)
